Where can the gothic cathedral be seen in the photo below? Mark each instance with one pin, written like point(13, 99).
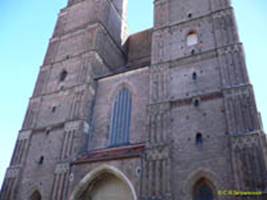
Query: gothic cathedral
point(164, 114)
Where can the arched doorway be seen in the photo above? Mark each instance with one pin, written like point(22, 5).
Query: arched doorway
point(104, 183)
point(107, 187)
point(203, 190)
point(36, 196)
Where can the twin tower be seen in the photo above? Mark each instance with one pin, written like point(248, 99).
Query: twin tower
point(165, 114)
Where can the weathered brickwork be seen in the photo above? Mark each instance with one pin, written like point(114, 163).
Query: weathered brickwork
point(194, 119)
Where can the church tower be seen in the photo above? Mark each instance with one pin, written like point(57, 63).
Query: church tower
point(205, 131)
point(165, 114)
point(86, 43)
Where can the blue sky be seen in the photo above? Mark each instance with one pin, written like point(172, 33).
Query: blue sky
point(26, 26)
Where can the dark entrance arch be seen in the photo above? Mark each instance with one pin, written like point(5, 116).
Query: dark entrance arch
point(203, 190)
point(36, 196)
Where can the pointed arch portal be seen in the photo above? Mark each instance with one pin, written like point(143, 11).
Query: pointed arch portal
point(201, 184)
point(36, 196)
point(203, 190)
point(104, 183)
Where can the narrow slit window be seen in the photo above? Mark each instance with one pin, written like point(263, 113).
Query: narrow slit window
point(63, 76)
point(194, 76)
point(196, 102)
point(54, 108)
point(41, 160)
point(199, 139)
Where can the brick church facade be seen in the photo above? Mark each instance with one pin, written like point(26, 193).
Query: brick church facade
point(165, 114)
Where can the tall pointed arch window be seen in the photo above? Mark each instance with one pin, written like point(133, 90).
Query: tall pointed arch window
point(121, 118)
point(203, 190)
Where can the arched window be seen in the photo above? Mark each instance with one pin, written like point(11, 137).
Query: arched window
point(41, 160)
point(203, 190)
point(121, 118)
point(36, 196)
point(199, 139)
point(192, 38)
point(194, 76)
point(63, 75)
